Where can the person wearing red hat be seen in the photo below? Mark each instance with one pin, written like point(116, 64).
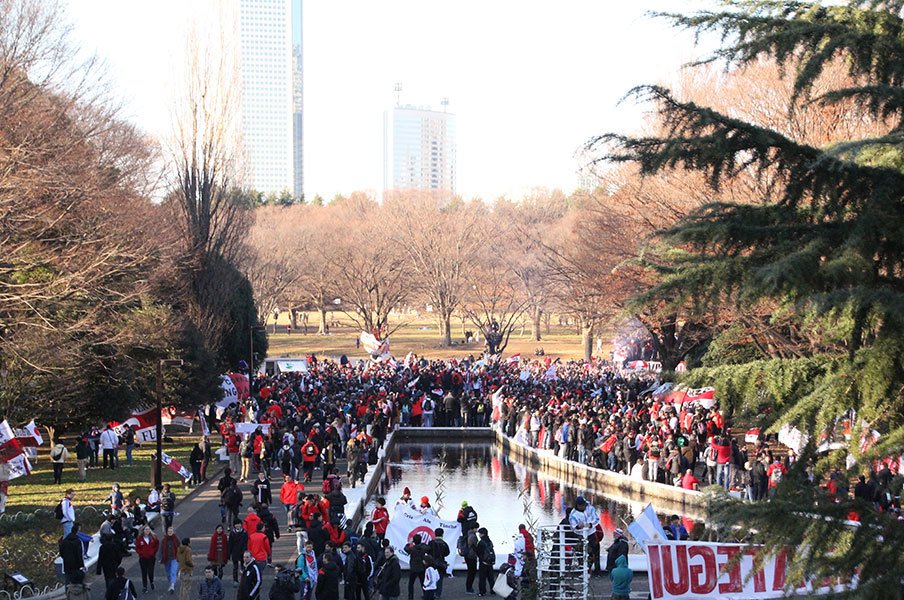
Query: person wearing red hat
point(425, 508)
point(405, 500)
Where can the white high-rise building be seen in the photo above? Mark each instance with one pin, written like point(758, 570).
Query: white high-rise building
point(271, 108)
point(418, 149)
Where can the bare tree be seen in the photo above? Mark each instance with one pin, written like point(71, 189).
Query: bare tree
point(441, 241)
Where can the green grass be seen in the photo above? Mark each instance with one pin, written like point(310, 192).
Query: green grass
point(38, 490)
point(419, 336)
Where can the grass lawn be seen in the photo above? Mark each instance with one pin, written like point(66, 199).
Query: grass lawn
point(29, 544)
point(38, 490)
point(419, 336)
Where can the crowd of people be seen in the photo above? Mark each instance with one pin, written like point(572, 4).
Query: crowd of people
point(296, 423)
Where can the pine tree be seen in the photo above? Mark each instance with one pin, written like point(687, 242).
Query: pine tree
point(826, 248)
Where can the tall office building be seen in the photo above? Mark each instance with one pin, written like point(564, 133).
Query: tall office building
point(419, 149)
point(270, 65)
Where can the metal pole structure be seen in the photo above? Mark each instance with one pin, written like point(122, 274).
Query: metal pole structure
point(251, 330)
point(158, 464)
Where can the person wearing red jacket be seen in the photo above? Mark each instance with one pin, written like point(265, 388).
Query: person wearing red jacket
point(723, 461)
point(308, 509)
point(380, 518)
point(259, 545)
point(288, 496)
point(232, 450)
point(309, 454)
point(218, 553)
point(251, 522)
point(337, 535)
point(146, 547)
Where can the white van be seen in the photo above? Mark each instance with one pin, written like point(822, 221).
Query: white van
point(285, 364)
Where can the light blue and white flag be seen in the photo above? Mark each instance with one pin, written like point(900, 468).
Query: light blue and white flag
point(646, 528)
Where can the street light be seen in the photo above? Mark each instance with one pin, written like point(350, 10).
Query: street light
point(251, 330)
point(158, 471)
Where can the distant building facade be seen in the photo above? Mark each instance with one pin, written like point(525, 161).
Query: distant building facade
point(270, 67)
point(419, 150)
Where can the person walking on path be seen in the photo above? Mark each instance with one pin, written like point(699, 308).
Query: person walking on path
point(109, 442)
point(58, 457)
point(389, 579)
point(82, 456)
point(621, 577)
point(250, 585)
point(218, 552)
point(169, 548)
point(72, 553)
point(119, 583)
point(211, 587)
point(486, 554)
point(327, 580)
point(108, 559)
point(128, 438)
point(146, 547)
point(288, 496)
point(306, 565)
point(238, 544)
point(66, 512)
point(167, 506)
point(431, 578)
point(186, 567)
point(416, 552)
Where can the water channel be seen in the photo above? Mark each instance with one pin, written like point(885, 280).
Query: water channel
point(497, 487)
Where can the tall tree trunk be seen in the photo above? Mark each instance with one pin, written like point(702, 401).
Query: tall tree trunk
point(447, 329)
point(547, 319)
point(324, 326)
point(587, 339)
point(535, 324)
point(293, 318)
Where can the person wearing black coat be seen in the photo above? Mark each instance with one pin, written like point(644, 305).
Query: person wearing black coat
point(318, 535)
point(389, 578)
point(194, 460)
point(618, 548)
point(108, 559)
point(350, 571)
point(416, 567)
point(72, 552)
point(118, 584)
point(237, 544)
point(328, 580)
point(271, 526)
point(337, 502)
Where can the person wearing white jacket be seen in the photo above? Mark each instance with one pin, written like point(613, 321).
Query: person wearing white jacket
point(109, 442)
point(431, 578)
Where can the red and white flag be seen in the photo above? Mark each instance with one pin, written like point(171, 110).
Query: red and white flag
point(11, 453)
point(175, 465)
point(144, 422)
point(513, 359)
point(29, 436)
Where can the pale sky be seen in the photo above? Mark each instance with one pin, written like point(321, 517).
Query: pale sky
point(529, 81)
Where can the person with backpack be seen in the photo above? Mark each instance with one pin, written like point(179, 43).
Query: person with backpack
point(285, 585)
point(211, 587)
point(109, 556)
point(232, 503)
point(427, 409)
point(486, 554)
point(439, 550)
point(468, 551)
point(58, 457)
point(389, 578)
point(467, 516)
point(65, 512)
point(120, 587)
point(167, 506)
point(432, 578)
point(309, 454)
point(416, 553)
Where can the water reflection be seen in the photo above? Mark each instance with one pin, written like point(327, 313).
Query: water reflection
point(504, 492)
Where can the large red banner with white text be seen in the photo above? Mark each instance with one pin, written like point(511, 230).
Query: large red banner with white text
point(692, 570)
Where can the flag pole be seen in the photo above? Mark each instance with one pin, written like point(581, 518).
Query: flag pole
point(158, 471)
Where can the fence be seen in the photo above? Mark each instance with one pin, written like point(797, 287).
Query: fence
point(561, 564)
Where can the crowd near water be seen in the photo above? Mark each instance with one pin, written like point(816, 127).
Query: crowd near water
point(340, 412)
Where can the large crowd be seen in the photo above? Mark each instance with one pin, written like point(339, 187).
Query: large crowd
point(587, 412)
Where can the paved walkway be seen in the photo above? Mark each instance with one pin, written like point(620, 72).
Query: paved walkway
point(199, 514)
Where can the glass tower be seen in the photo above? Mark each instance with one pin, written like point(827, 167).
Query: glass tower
point(418, 149)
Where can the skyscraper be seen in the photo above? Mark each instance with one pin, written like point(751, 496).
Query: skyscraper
point(419, 149)
point(270, 65)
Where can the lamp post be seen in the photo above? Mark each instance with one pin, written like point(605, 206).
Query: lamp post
point(251, 330)
point(158, 471)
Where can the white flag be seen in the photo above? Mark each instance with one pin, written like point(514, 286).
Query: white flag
point(646, 528)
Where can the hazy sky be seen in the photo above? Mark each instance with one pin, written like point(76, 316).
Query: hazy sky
point(528, 80)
